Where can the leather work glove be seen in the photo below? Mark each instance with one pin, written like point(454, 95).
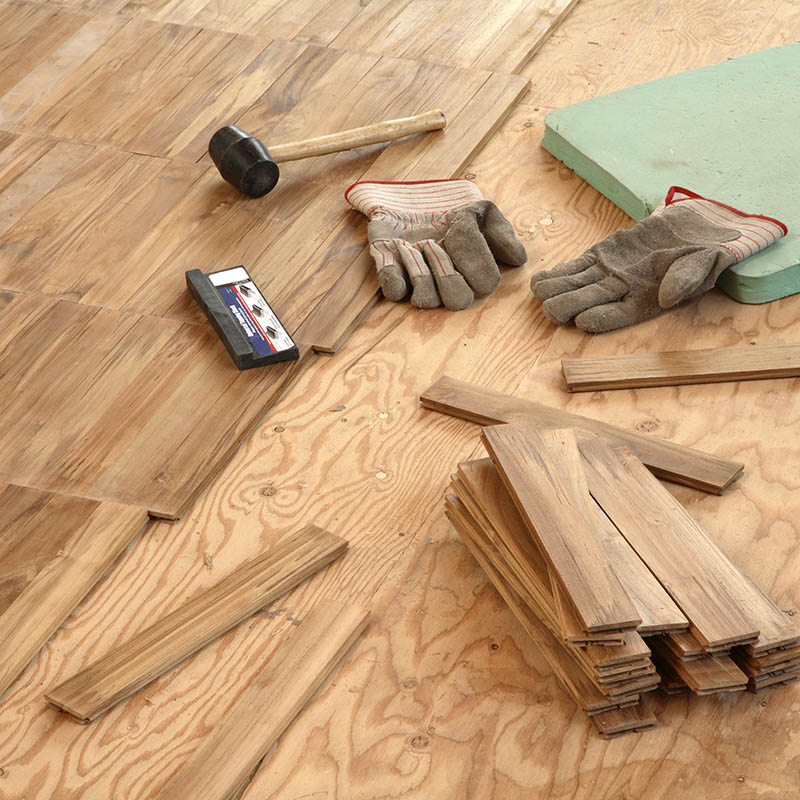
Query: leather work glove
point(441, 236)
point(675, 254)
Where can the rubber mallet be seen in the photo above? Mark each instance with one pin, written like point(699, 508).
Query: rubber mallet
point(245, 162)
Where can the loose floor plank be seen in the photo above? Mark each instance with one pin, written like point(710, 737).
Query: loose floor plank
point(226, 761)
point(59, 548)
point(665, 459)
point(613, 669)
point(480, 488)
point(658, 610)
point(169, 641)
point(576, 682)
point(700, 578)
point(619, 721)
point(716, 365)
point(544, 476)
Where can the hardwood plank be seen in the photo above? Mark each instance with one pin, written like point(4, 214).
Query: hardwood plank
point(28, 34)
point(29, 169)
point(488, 501)
point(501, 35)
point(657, 609)
point(619, 721)
point(665, 459)
point(166, 643)
point(676, 368)
point(38, 82)
point(34, 527)
point(614, 670)
point(699, 577)
point(574, 680)
point(481, 102)
point(226, 761)
point(544, 476)
point(704, 675)
point(58, 587)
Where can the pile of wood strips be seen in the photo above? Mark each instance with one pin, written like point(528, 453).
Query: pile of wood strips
point(619, 587)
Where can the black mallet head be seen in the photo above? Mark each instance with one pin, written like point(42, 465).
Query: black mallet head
point(243, 161)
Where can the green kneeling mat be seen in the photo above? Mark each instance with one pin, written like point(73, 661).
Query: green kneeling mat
point(730, 131)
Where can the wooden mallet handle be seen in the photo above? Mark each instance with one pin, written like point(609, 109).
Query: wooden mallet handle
point(358, 137)
point(247, 164)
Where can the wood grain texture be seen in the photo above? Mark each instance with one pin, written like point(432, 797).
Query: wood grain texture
point(166, 643)
point(583, 690)
point(480, 489)
point(676, 368)
point(544, 476)
point(501, 36)
point(448, 696)
point(185, 407)
point(666, 460)
point(227, 759)
point(93, 537)
point(700, 578)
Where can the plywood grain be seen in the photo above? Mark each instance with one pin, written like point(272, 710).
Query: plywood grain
point(677, 368)
point(448, 694)
point(234, 750)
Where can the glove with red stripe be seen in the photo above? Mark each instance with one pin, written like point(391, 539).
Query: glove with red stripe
point(675, 254)
point(437, 240)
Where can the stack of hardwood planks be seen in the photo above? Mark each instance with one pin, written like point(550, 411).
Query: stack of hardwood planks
point(616, 583)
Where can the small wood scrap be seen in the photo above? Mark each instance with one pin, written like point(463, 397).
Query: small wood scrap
point(667, 460)
point(167, 642)
point(715, 365)
point(583, 543)
point(226, 761)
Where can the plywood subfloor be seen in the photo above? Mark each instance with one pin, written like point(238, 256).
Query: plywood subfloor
point(108, 199)
point(446, 697)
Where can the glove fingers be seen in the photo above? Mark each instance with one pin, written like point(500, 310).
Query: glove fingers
point(550, 287)
point(501, 238)
point(424, 294)
point(565, 268)
point(391, 275)
point(564, 307)
point(690, 273)
point(610, 316)
point(470, 252)
point(454, 290)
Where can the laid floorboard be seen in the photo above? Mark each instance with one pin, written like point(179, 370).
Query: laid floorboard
point(226, 761)
point(544, 476)
point(699, 577)
point(665, 459)
point(501, 35)
point(54, 550)
point(137, 409)
point(166, 643)
point(717, 365)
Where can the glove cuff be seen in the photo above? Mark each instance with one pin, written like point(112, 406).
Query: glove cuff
point(420, 200)
point(756, 231)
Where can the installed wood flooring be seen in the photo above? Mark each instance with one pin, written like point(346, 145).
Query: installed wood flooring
point(446, 696)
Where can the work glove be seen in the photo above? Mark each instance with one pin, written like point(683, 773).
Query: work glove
point(675, 254)
point(438, 240)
